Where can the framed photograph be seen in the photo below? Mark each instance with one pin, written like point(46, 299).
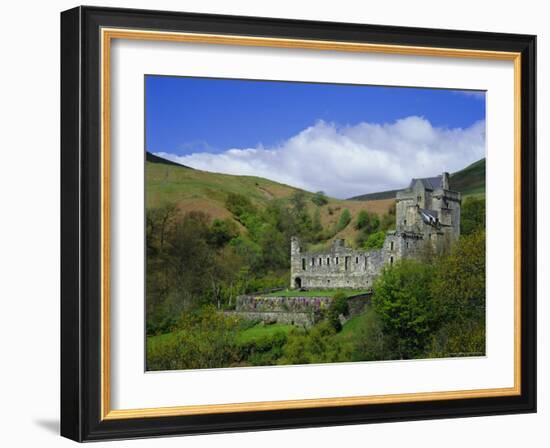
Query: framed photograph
point(274, 223)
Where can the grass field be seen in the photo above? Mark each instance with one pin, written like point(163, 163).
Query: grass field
point(245, 336)
point(315, 293)
point(260, 330)
point(155, 341)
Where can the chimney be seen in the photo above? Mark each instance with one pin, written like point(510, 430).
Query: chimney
point(445, 181)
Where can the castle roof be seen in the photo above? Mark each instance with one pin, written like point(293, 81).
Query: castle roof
point(429, 183)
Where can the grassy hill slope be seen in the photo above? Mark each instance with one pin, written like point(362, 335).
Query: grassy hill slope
point(193, 189)
point(469, 181)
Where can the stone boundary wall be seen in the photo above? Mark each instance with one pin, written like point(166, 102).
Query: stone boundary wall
point(301, 311)
point(305, 319)
point(258, 303)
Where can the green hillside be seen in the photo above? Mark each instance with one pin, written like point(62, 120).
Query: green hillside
point(469, 181)
point(375, 196)
point(191, 189)
point(149, 157)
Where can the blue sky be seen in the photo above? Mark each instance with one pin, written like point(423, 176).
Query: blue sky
point(184, 115)
point(275, 129)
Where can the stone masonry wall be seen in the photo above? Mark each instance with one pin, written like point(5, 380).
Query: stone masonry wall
point(257, 303)
point(302, 311)
point(337, 267)
point(305, 319)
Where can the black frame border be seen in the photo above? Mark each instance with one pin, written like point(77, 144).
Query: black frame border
point(81, 223)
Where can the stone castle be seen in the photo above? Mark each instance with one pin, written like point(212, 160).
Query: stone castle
point(427, 217)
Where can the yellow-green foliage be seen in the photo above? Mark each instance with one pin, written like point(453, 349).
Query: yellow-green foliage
point(431, 308)
point(472, 215)
point(202, 339)
point(318, 345)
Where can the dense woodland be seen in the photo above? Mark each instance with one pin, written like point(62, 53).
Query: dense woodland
point(197, 266)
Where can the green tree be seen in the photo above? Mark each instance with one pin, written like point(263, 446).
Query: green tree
point(370, 343)
point(317, 345)
point(369, 222)
point(343, 221)
point(298, 203)
point(239, 204)
point(316, 226)
point(274, 249)
point(202, 339)
point(222, 231)
point(402, 298)
point(319, 199)
point(158, 222)
point(459, 280)
point(375, 240)
point(472, 215)
point(338, 307)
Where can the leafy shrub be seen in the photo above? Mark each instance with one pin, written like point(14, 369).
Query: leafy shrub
point(265, 350)
point(338, 307)
point(239, 204)
point(375, 240)
point(343, 221)
point(408, 313)
point(318, 345)
point(472, 215)
point(202, 339)
point(369, 222)
point(319, 199)
point(459, 338)
point(222, 231)
point(370, 343)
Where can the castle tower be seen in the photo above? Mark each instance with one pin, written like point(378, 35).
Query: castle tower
point(295, 263)
point(294, 246)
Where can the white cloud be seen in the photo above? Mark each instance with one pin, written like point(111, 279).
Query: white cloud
point(345, 161)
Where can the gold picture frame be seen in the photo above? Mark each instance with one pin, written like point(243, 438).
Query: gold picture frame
point(121, 25)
